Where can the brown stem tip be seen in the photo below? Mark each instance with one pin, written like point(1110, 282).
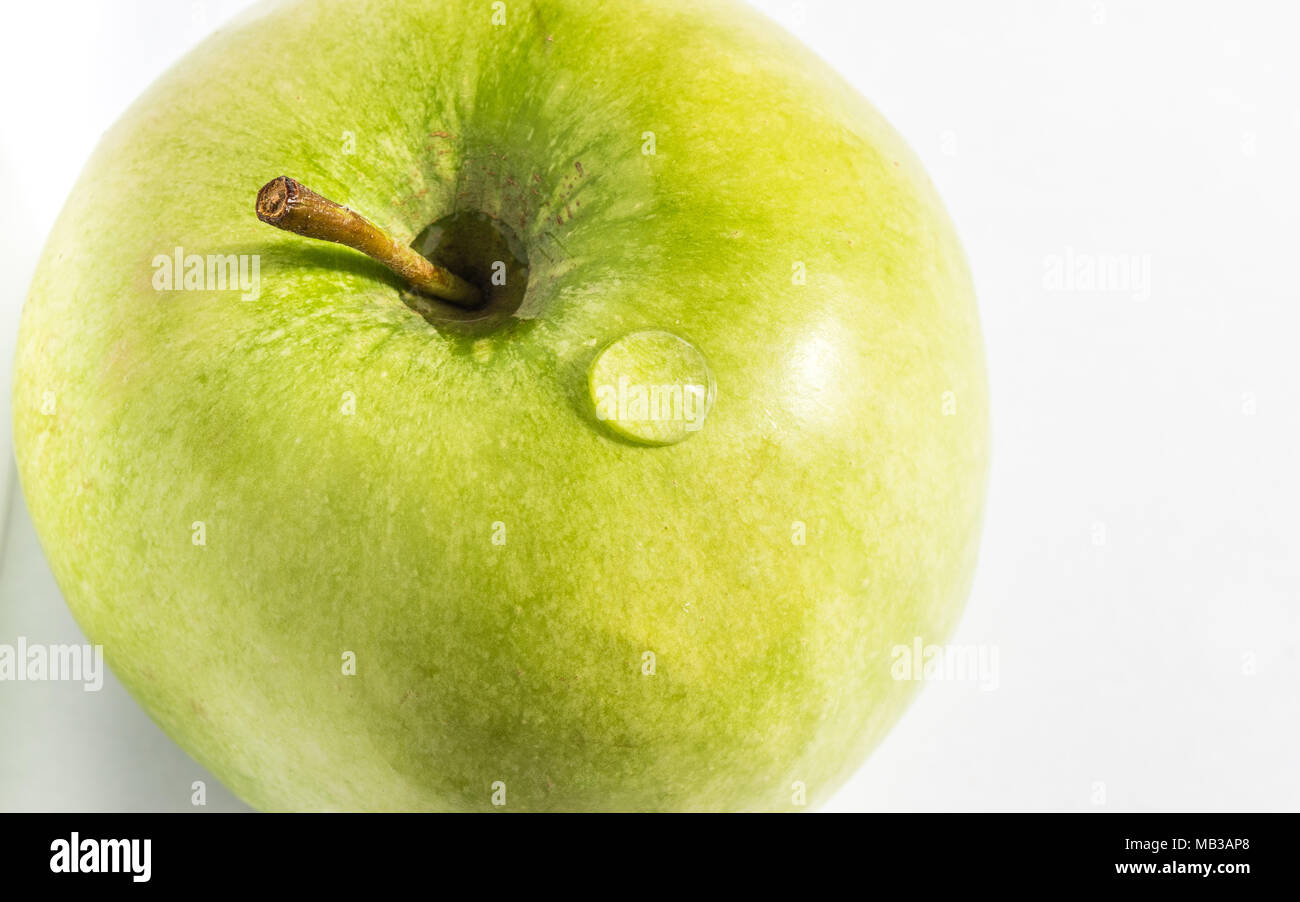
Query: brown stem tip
point(290, 205)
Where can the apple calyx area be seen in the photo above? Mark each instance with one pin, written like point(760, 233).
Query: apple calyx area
point(290, 205)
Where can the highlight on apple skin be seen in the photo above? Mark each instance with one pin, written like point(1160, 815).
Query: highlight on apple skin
point(639, 530)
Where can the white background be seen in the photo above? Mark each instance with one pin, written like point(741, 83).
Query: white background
point(1138, 575)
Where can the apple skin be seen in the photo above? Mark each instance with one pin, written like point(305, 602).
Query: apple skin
point(854, 404)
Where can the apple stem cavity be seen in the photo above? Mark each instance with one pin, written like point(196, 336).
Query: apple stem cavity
point(290, 205)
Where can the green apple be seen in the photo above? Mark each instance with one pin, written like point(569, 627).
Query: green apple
point(357, 548)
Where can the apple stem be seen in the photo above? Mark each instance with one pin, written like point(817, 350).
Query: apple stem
point(290, 205)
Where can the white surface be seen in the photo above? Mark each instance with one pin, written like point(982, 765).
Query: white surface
point(1138, 578)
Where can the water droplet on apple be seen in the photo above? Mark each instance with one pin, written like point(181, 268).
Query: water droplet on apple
point(651, 387)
